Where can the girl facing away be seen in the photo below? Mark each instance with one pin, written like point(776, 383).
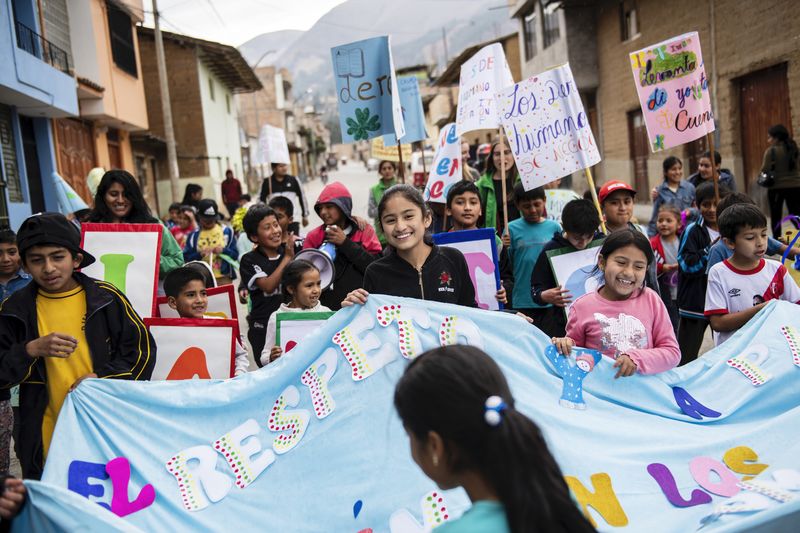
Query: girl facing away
point(623, 319)
point(464, 431)
point(301, 289)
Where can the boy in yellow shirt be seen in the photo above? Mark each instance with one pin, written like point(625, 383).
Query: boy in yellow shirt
point(62, 328)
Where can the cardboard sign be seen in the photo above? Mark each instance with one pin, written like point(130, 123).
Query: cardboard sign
point(193, 348)
point(366, 89)
point(482, 76)
point(653, 453)
point(413, 114)
point(272, 146)
point(574, 269)
point(480, 251)
point(291, 328)
point(672, 85)
point(547, 127)
point(446, 167)
point(381, 151)
point(221, 304)
point(127, 257)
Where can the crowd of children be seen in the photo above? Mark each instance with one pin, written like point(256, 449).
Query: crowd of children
point(700, 261)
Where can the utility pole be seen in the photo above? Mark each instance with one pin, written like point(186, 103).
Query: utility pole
point(444, 42)
point(166, 109)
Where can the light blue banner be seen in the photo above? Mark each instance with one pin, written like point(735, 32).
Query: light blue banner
point(366, 89)
point(312, 442)
point(413, 114)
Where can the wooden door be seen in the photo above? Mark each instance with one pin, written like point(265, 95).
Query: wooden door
point(114, 150)
point(640, 152)
point(764, 102)
point(75, 154)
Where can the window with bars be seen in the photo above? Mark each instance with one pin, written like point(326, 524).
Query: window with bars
point(120, 29)
point(552, 28)
point(529, 27)
point(10, 170)
point(628, 20)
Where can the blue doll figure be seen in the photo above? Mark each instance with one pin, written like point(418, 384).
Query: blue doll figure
point(573, 373)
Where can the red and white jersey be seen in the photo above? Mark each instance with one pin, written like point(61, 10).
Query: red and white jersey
point(731, 290)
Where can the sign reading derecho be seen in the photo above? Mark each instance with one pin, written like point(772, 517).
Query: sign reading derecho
point(193, 348)
point(388, 152)
point(272, 145)
point(321, 422)
point(547, 128)
point(671, 81)
point(481, 77)
point(446, 168)
point(366, 90)
point(413, 114)
point(127, 257)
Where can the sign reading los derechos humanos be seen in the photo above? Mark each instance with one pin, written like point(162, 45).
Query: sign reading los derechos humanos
point(481, 77)
point(672, 85)
point(366, 90)
point(446, 168)
point(547, 128)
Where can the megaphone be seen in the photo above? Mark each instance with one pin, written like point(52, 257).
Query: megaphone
point(322, 258)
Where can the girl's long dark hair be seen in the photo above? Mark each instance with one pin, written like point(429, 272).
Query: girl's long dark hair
point(490, 168)
point(626, 237)
point(191, 188)
point(292, 275)
point(140, 211)
point(445, 390)
point(779, 132)
point(411, 194)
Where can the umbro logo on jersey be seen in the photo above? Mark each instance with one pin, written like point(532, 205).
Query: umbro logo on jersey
point(734, 292)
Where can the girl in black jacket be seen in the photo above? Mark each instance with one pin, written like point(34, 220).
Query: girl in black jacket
point(413, 267)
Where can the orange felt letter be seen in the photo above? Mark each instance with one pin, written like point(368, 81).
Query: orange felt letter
point(191, 363)
point(737, 458)
point(603, 499)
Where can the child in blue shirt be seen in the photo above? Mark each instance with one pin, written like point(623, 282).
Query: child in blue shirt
point(528, 235)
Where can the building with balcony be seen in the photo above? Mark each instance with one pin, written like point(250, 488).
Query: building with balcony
point(203, 78)
point(35, 86)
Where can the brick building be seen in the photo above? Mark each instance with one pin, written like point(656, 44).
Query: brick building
point(754, 80)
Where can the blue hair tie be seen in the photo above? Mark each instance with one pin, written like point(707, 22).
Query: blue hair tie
point(493, 410)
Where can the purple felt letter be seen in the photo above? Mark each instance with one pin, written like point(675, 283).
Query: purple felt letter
point(666, 481)
point(692, 407)
point(119, 469)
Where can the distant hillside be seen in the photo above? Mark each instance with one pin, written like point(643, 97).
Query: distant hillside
point(279, 41)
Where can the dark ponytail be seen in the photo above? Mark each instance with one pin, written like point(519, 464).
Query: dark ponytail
point(445, 390)
point(293, 275)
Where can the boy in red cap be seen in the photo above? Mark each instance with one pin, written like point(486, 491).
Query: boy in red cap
point(62, 328)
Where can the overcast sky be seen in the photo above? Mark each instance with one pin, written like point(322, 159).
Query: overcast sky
point(236, 21)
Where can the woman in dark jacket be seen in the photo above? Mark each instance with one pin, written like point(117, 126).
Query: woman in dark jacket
point(781, 160)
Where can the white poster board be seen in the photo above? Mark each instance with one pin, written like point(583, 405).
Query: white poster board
point(127, 257)
point(547, 128)
point(272, 146)
point(193, 348)
point(446, 168)
point(291, 328)
point(480, 251)
point(574, 270)
point(221, 304)
point(482, 76)
point(556, 200)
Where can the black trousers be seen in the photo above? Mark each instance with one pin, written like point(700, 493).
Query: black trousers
point(690, 337)
point(776, 197)
point(257, 335)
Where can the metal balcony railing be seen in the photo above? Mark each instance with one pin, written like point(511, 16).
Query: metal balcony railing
point(38, 46)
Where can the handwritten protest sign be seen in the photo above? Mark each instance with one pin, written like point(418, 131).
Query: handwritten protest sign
point(480, 251)
point(446, 167)
point(193, 348)
point(671, 81)
point(574, 270)
point(366, 90)
point(482, 76)
point(272, 145)
point(556, 200)
point(291, 328)
point(221, 304)
point(654, 453)
point(127, 257)
point(413, 114)
point(547, 127)
point(382, 151)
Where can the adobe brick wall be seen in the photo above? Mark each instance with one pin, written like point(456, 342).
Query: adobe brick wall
point(184, 95)
point(749, 36)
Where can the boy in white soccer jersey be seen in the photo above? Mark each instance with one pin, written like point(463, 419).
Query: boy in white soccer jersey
point(741, 285)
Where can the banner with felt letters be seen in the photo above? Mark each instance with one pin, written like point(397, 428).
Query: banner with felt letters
point(191, 348)
point(314, 437)
point(127, 256)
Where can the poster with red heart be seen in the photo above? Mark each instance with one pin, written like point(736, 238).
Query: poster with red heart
point(291, 328)
point(191, 348)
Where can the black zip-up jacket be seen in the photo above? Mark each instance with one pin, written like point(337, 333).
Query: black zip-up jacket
point(119, 345)
point(444, 277)
point(692, 277)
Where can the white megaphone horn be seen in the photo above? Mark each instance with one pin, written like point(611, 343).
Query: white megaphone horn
point(322, 258)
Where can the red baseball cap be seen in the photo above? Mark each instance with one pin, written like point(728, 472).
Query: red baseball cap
point(613, 186)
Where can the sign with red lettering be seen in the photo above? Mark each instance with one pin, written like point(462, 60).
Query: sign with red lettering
point(221, 304)
point(127, 257)
point(191, 348)
point(446, 167)
point(547, 128)
point(673, 91)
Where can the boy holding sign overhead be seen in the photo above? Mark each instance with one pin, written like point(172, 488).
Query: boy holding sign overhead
point(62, 328)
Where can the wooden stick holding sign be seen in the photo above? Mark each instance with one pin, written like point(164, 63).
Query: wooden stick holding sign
point(502, 145)
point(401, 164)
point(593, 189)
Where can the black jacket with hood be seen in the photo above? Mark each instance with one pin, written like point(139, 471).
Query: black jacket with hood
point(119, 345)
